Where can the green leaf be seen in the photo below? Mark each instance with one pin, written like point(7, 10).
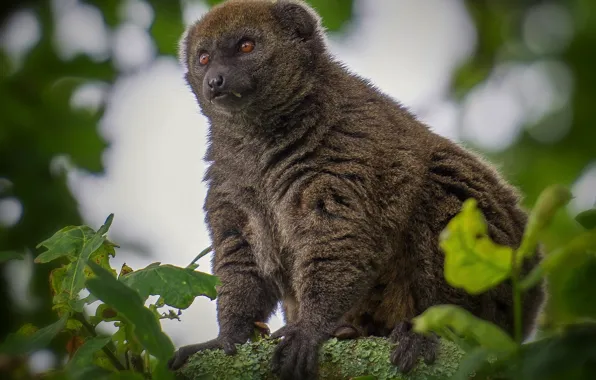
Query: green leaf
point(567, 355)
point(129, 375)
point(548, 203)
point(74, 278)
point(130, 305)
point(77, 305)
point(99, 373)
point(120, 339)
point(66, 242)
point(101, 257)
point(70, 242)
point(161, 372)
point(11, 255)
point(89, 372)
point(474, 361)
point(463, 323)
point(472, 261)
point(19, 344)
point(177, 286)
point(74, 325)
point(27, 330)
point(583, 244)
point(571, 289)
point(83, 357)
point(75, 243)
point(57, 276)
point(587, 219)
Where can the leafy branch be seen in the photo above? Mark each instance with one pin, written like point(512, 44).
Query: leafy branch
point(139, 346)
point(475, 263)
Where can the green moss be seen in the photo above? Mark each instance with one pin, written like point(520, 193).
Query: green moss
point(339, 360)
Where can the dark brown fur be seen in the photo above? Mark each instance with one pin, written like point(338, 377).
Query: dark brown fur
point(329, 196)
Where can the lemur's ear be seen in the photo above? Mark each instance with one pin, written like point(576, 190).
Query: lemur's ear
point(299, 19)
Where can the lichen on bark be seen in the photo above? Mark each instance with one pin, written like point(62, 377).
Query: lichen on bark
point(338, 360)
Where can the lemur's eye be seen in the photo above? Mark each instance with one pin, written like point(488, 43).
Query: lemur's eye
point(204, 58)
point(246, 46)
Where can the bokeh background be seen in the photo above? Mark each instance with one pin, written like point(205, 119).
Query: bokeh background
point(95, 118)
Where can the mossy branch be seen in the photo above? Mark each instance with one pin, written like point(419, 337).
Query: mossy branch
point(344, 359)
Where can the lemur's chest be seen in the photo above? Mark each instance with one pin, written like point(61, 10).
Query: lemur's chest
point(252, 189)
point(266, 235)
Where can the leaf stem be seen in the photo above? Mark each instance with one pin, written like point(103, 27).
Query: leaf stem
point(106, 350)
point(199, 256)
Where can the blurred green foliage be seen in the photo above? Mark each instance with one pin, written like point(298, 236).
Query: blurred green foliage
point(530, 164)
point(37, 122)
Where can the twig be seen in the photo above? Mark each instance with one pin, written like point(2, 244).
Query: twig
point(108, 353)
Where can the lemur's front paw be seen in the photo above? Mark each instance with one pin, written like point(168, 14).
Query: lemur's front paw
point(297, 355)
point(411, 346)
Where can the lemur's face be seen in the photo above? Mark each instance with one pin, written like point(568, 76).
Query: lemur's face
point(245, 57)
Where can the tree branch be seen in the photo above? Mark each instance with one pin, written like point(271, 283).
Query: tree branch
point(339, 360)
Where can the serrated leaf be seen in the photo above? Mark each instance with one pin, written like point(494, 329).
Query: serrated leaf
point(130, 305)
point(472, 260)
point(102, 258)
point(74, 277)
point(465, 324)
point(177, 286)
point(11, 255)
point(549, 202)
point(17, 344)
point(587, 219)
point(125, 269)
point(83, 357)
point(66, 242)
